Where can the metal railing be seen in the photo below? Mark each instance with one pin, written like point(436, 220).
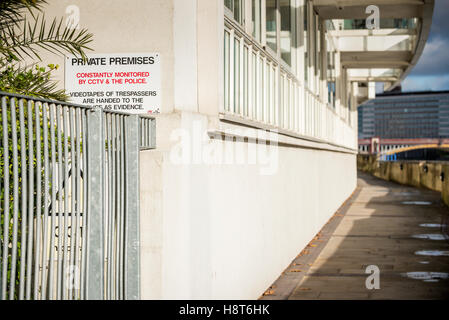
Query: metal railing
point(69, 200)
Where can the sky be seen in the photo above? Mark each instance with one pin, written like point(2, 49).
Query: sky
point(432, 69)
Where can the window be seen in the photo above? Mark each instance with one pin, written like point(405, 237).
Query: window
point(331, 93)
point(331, 74)
point(228, 4)
point(271, 13)
point(236, 7)
point(256, 19)
point(236, 75)
point(316, 49)
point(226, 70)
point(287, 26)
point(245, 80)
point(255, 86)
point(306, 43)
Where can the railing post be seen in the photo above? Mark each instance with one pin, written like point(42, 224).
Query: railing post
point(95, 213)
point(153, 133)
point(132, 232)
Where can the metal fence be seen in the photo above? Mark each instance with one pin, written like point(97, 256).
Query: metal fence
point(69, 200)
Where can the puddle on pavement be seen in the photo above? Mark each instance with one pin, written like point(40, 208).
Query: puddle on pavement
point(418, 203)
point(432, 225)
point(433, 253)
point(427, 276)
point(406, 194)
point(430, 236)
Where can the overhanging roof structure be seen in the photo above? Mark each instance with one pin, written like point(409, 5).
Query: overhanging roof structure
point(384, 55)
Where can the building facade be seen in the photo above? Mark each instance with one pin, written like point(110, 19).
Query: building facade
point(256, 130)
point(409, 115)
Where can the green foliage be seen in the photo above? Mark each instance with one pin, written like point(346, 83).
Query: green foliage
point(32, 81)
point(23, 37)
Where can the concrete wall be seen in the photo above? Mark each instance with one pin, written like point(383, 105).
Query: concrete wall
point(415, 173)
point(445, 187)
point(227, 231)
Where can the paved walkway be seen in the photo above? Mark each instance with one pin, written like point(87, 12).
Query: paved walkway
point(394, 227)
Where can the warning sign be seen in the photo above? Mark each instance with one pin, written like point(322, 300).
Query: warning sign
point(118, 82)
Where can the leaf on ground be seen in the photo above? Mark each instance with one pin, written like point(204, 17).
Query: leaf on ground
point(268, 293)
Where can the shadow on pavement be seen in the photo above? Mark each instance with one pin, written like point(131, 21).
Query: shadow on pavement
point(393, 227)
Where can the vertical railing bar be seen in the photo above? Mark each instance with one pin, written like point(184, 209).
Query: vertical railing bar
point(114, 203)
point(143, 132)
point(2, 181)
point(78, 195)
point(142, 129)
point(143, 135)
point(132, 232)
point(83, 235)
point(73, 194)
point(122, 196)
point(24, 209)
point(115, 206)
point(12, 283)
point(147, 133)
point(118, 211)
point(87, 201)
point(52, 111)
point(37, 252)
point(153, 133)
point(66, 199)
point(110, 211)
point(60, 202)
point(31, 215)
point(5, 235)
point(95, 273)
point(46, 205)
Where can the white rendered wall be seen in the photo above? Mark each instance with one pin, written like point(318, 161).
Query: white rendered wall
point(212, 231)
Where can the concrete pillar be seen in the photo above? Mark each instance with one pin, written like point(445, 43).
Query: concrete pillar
point(371, 90)
point(185, 55)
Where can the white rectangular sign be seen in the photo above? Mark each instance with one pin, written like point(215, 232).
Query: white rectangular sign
point(119, 82)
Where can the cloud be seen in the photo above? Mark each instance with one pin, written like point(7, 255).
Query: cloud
point(434, 60)
point(440, 22)
point(432, 69)
point(426, 83)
